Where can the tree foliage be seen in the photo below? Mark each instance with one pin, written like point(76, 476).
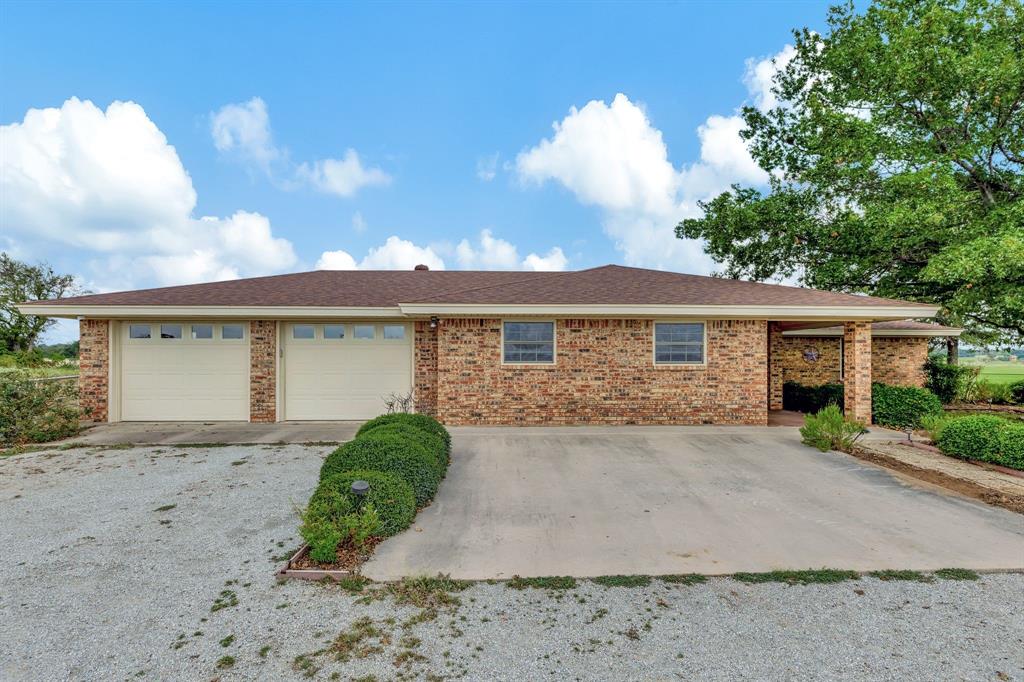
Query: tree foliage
point(895, 157)
point(20, 282)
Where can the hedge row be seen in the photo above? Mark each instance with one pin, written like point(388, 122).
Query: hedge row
point(896, 406)
point(985, 438)
point(403, 457)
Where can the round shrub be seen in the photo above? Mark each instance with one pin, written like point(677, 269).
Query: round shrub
point(390, 453)
point(1017, 392)
point(422, 421)
point(430, 442)
point(1011, 446)
point(975, 436)
point(391, 497)
point(902, 406)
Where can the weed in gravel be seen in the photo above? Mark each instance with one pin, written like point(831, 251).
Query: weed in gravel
point(305, 664)
point(956, 574)
point(822, 575)
point(422, 592)
point(357, 640)
point(890, 574)
point(225, 662)
point(264, 650)
point(226, 599)
point(623, 580)
point(166, 507)
point(408, 658)
point(238, 462)
point(409, 642)
point(558, 582)
point(598, 615)
point(424, 616)
point(684, 579)
point(352, 583)
point(227, 641)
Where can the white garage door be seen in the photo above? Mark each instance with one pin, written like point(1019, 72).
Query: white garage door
point(184, 371)
point(344, 370)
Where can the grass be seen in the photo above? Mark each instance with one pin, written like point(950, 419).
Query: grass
point(956, 574)
point(622, 580)
point(684, 579)
point(888, 575)
point(560, 582)
point(225, 662)
point(821, 575)
point(423, 592)
point(997, 371)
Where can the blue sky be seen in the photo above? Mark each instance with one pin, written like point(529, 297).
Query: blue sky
point(372, 135)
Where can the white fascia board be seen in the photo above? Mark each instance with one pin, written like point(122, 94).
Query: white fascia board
point(769, 312)
point(200, 311)
point(882, 333)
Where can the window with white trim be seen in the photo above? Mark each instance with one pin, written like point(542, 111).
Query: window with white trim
point(139, 331)
point(334, 331)
point(528, 342)
point(303, 331)
point(232, 331)
point(394, 332)
point(170, 331)
point(678, 343)
point(202, 331)
point(364, 331)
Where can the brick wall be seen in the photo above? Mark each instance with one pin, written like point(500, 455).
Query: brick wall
point(262, 371)
point(604, 374)
point(425, 375)
point(894, 360)
point(857, 371)
point(94, 368)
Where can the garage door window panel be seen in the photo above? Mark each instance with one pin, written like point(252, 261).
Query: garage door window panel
point(528, 343)
point(140, 331)
point(303, 331)
point(334, 331)
point(170, 331)
point(202, 331)
point(232, 332)
point(394, 332)
point(679, 343)
point(365, 332)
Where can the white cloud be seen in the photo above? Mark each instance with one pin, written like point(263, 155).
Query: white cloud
point(244, 129)
point(343, 177)
point(358, 222)
point(759, 74)
point(393, 254)
point(487, 167)
point(108, 182)
point(336, 260)
point(493, 253)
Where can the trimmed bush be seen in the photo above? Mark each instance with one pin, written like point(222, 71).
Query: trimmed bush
point(948, 382)
point(390, 453)
point(811, 398)
point(902, 406)
point(934, 424)
point(33, 411)
point(422, 421)
point(830, 430)
point(1011, 446)
point(392, 498)
point(975, 436)
point(1017, 392)
point(429, 441)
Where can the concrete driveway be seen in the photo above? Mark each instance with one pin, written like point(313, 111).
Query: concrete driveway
point(222, 433)
point(589, 501)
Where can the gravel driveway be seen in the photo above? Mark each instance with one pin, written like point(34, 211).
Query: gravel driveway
point(115, 561)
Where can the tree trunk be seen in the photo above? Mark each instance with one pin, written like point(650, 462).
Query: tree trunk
point(952, 350)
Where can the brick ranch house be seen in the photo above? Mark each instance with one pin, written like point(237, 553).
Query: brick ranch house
point(608, 345)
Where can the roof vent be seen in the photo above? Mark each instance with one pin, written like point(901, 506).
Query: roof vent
point(421, 266)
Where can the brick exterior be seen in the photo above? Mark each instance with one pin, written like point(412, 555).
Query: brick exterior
point(604, 374)
point(94, 369)
point(894, 360)
point(262, 371)
point(425, 373)
point(857, 361)
point(776, 369)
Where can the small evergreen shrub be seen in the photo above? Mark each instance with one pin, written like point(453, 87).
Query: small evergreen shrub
point(33, 411)
point(423, 421)
point(428, 440)
point(830, 430)
point(1011, 446)
point(975, 436)
point(391, 453)
point(1017, 392)
point(810, 399)
point(948, 382)
point(330, 521)
point(391, 497)
point(933, 425)
point(902, 407)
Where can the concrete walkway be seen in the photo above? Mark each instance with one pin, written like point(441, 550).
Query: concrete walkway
point(171, 433)
point(589, 501)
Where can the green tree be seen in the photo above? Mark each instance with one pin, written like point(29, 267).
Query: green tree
point(20, 282)
point(895, 156)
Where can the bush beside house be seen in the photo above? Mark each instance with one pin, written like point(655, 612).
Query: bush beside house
point(984, 438)
point(36, 411)
point(402, 457)
point(895, 406)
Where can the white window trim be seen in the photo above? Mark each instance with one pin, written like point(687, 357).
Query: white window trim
point(317, 334)
point(554, 345)
point(376, 336)
point(345, 335)
point(405, 332)
point(678, 365)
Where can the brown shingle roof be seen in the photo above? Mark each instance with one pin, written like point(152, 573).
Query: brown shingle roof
point(606, 285)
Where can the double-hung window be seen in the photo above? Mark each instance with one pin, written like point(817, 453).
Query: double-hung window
point(678, 343)
point(528, 343)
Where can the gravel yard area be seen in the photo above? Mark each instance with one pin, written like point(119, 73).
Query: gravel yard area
point(157, 563)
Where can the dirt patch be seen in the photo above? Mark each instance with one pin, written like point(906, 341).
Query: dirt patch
point(349, 559)
point(1014, 503)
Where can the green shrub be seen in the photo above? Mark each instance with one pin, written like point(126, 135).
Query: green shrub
point(811, 399)
point(1017, 392)
point(423, 421)
point(391, 453)
point(933, 425)
point(391, 497)
point(948, 382)
point(430, 441)
point(330, 521)
point(830, 430)
point(975, 436)
point(1011, 445)
point(902, 407)
point(33, 411)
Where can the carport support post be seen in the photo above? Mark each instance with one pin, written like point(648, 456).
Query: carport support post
point(857, 380)
point(774, 366)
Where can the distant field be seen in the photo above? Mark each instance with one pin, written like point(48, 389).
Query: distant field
point(997, 372)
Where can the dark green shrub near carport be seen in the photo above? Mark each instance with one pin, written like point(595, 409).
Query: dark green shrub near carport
point(422, 421)
point(430, 441)
point(985, 438)
point(390, 496)
point(902, 406)
point(390, 453)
